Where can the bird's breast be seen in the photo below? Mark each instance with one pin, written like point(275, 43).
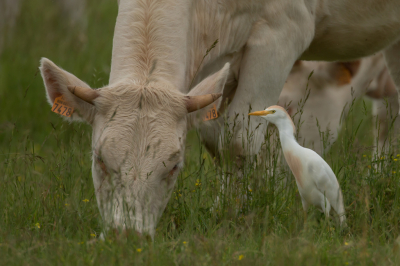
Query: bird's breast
point(295, 165)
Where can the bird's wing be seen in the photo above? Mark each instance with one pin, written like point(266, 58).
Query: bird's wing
point(319, 169)
point(325, 181)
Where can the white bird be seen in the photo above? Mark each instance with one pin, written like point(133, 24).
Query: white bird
point(315, 179)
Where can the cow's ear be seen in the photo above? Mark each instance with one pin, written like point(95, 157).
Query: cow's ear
point(56, 81)
point(213, 84)
point(345, 71)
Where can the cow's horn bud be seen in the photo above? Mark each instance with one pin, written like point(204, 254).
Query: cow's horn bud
point(194, 103)
point(86, 94)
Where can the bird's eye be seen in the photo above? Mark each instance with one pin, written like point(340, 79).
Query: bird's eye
point(273, 111)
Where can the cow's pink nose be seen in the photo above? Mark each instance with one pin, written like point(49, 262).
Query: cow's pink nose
point(128, 232)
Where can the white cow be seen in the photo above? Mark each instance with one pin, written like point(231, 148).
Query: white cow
point(140, 119)
point(332, 89)
point(322, 98)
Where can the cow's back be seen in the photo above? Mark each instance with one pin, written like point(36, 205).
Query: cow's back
point(353, 29)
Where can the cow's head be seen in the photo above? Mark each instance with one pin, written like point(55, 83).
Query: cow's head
point(330, 88)
point(138, 141)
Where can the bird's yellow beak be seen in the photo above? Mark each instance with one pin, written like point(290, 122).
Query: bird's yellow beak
point(261, 113)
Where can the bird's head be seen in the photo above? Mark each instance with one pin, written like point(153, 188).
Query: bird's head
point(276, 115)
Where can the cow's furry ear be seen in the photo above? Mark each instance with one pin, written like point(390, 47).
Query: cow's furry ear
point(56, 81)
point(213, 84)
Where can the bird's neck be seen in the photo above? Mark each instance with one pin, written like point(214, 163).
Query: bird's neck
point(286, 134)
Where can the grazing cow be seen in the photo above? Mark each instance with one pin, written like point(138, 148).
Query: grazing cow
point(322, 98)
point(332, 88)
point(159, 74)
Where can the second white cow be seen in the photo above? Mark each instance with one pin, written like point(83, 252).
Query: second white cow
point(331, 90)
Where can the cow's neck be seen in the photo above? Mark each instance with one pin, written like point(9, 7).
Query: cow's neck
point(147, 46)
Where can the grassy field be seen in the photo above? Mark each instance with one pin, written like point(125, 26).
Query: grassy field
point(48, 211)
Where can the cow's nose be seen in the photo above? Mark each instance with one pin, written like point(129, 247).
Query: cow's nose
point(124, 233)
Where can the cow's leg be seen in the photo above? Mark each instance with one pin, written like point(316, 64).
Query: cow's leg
point(387, 127)
point(392, 57)
point(267, 61)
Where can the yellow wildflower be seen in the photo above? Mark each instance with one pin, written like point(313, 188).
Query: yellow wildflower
point(240, 257)
point(184, 242)
point(364, 155)
point(394, 172)
point(66, 204)
point(139, 250)
point(92, 235)
point(369, 166)
point(346, 244)
point(250, 190)
point(37, 225)
point(85, 200)
point(398, 155)
point(395, 160)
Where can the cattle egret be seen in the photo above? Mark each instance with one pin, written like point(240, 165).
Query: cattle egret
point(315, 179)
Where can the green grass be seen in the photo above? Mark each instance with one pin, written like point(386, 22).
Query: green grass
point(48, 211)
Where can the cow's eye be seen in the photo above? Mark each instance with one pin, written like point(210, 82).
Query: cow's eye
point(102, 164)
point(173, 169)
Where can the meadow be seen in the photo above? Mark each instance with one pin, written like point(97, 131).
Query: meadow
point(48, 210)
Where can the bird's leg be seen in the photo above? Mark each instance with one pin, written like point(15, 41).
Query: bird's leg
point(305, 217)
point(305, 208)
